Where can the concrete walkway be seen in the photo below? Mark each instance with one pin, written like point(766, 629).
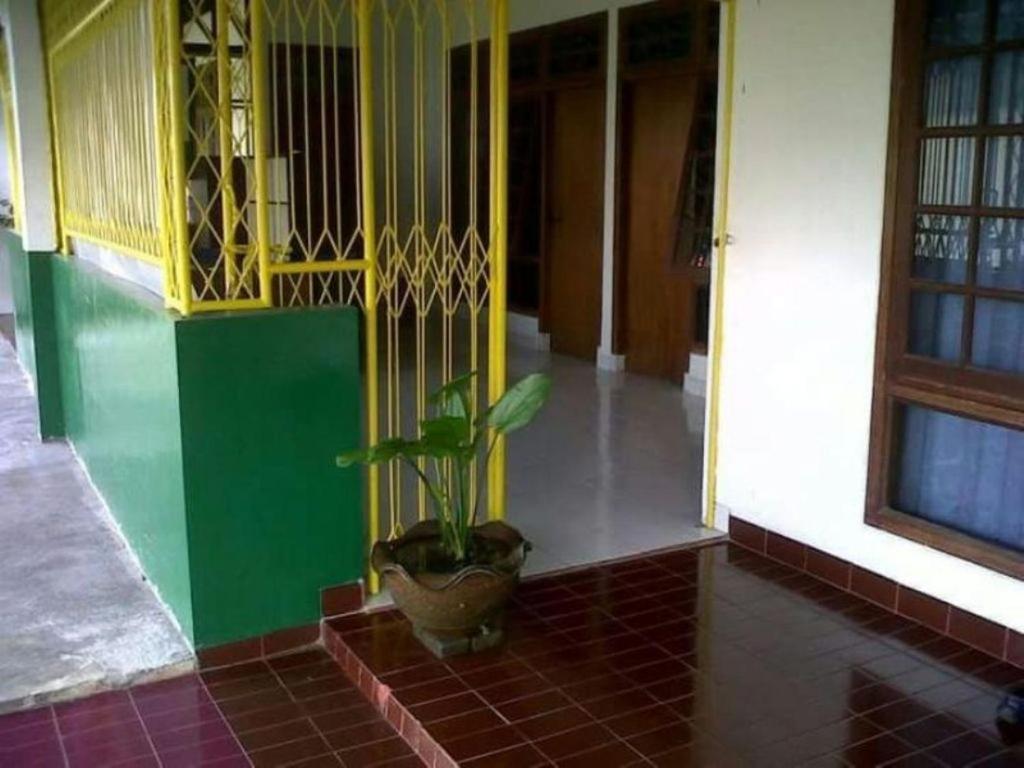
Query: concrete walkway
point(76, 614)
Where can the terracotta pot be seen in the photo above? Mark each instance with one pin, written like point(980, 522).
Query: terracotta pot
point(454, 604)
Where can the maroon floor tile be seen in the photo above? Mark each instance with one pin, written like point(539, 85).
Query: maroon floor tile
point(521, 756)
point(612, 755)
point(483, 743)
point(572, 742)
point(977, 632)
point(920, 607)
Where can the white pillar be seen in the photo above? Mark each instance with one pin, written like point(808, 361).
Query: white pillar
point(606, 359)
point(31, 124)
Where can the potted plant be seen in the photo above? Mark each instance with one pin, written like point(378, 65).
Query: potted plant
point(450, 576)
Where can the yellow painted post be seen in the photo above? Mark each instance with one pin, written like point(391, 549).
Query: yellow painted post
point(176, 105)
point(225, 130)
point(166, 241)
point(369, 227)
point(496, 380)
point(721, 238)
point(260, 124)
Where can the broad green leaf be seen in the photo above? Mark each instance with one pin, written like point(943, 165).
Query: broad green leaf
point(445, 430)
point(520, 404)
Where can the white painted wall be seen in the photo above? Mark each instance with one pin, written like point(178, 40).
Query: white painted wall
point(801, 292)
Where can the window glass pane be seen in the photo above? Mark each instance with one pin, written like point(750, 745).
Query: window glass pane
point(936, 320)
point(1007, 88)
point(998, 335)
point(940, 248)
point(951, 90)
point(1003, 162)
point(947, 171)
point(659, 39)
point(1010, 20)
point(1001, 254)
point(956, 22)
point(963, 474)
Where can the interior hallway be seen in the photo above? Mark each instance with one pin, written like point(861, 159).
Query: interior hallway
point(611, 468)
point(77, 613)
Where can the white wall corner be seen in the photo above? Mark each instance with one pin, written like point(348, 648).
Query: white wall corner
point(696, 380)
point(524, 331)
point(32, 126)
point(609, 361)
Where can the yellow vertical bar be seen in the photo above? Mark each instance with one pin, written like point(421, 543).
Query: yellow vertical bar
point(224, 135)
point(260, 124)
point(721, 238)
point(60, 214)
point(160, 140)
point(499, 242)
point(176, 104)
point(369, 227)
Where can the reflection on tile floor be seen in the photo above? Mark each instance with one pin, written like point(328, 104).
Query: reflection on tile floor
point(715, 657)
point(295, 710)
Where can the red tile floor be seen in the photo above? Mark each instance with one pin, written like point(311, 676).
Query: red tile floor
point(710, 657)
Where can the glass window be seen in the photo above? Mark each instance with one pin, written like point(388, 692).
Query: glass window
point(963, 474)
point(1004, 187)
point(940, 248)
point(1001, 254)
point(1007, 101)
point(947, 171)
point(1010, 20)
point(999, 336)
point(936, 325)
point(951, 91)
point(956, 22)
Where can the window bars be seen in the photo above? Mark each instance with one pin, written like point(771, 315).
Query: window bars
point(283, 153)
point(10, 132)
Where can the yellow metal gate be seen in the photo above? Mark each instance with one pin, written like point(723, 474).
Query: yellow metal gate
point(280, 153)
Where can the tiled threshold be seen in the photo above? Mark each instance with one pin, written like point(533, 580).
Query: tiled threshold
point(999, 641)
point(711, 657)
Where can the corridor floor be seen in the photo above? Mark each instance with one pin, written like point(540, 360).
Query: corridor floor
point(77, 614)
point(716, 657)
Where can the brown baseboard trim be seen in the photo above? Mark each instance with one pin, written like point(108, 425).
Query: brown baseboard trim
point(341, 600)
point(994, 639)
point(261, 647)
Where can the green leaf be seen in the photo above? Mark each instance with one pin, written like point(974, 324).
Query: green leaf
point(520, 404)
point(444, 431)
point(455, 387)
point(381, 453)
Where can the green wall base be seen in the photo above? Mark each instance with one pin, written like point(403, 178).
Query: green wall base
point(212, 439)
point(34, 332)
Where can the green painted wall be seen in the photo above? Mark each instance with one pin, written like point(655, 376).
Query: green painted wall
point(212, 440)
point(32, 286)
point(268, 399)
point(21, 289)
point(119, 389)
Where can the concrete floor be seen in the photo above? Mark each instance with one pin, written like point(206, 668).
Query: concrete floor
point(77, 613)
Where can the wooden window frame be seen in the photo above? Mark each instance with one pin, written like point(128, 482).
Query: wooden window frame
point(905, 379)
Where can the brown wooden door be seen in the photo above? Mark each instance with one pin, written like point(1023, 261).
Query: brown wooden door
point(660, 116)
point(575, 214)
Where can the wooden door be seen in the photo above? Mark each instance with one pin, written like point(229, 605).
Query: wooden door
point(660, 117)
point(575, 204)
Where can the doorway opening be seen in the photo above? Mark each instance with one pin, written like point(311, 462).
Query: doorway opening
point(616, 467)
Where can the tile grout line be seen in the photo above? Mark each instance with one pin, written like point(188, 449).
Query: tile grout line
point(60, 738)
point(145, 729)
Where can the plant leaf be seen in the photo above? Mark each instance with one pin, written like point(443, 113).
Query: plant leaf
point(446, 431)
point(520, 404)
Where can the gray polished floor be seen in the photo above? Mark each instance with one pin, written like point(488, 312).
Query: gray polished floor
point(612, 469)
point(77, 613)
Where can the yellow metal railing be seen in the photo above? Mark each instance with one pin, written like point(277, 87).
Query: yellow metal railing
point(304, 152)
point(10, 132)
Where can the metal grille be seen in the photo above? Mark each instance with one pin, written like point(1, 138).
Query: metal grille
point(10, 131)
point(103, 99)
point(304, 152)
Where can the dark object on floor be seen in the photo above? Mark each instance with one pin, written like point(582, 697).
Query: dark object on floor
point(1010, 717)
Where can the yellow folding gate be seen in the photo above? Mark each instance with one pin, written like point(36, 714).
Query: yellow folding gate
point(283, 153)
